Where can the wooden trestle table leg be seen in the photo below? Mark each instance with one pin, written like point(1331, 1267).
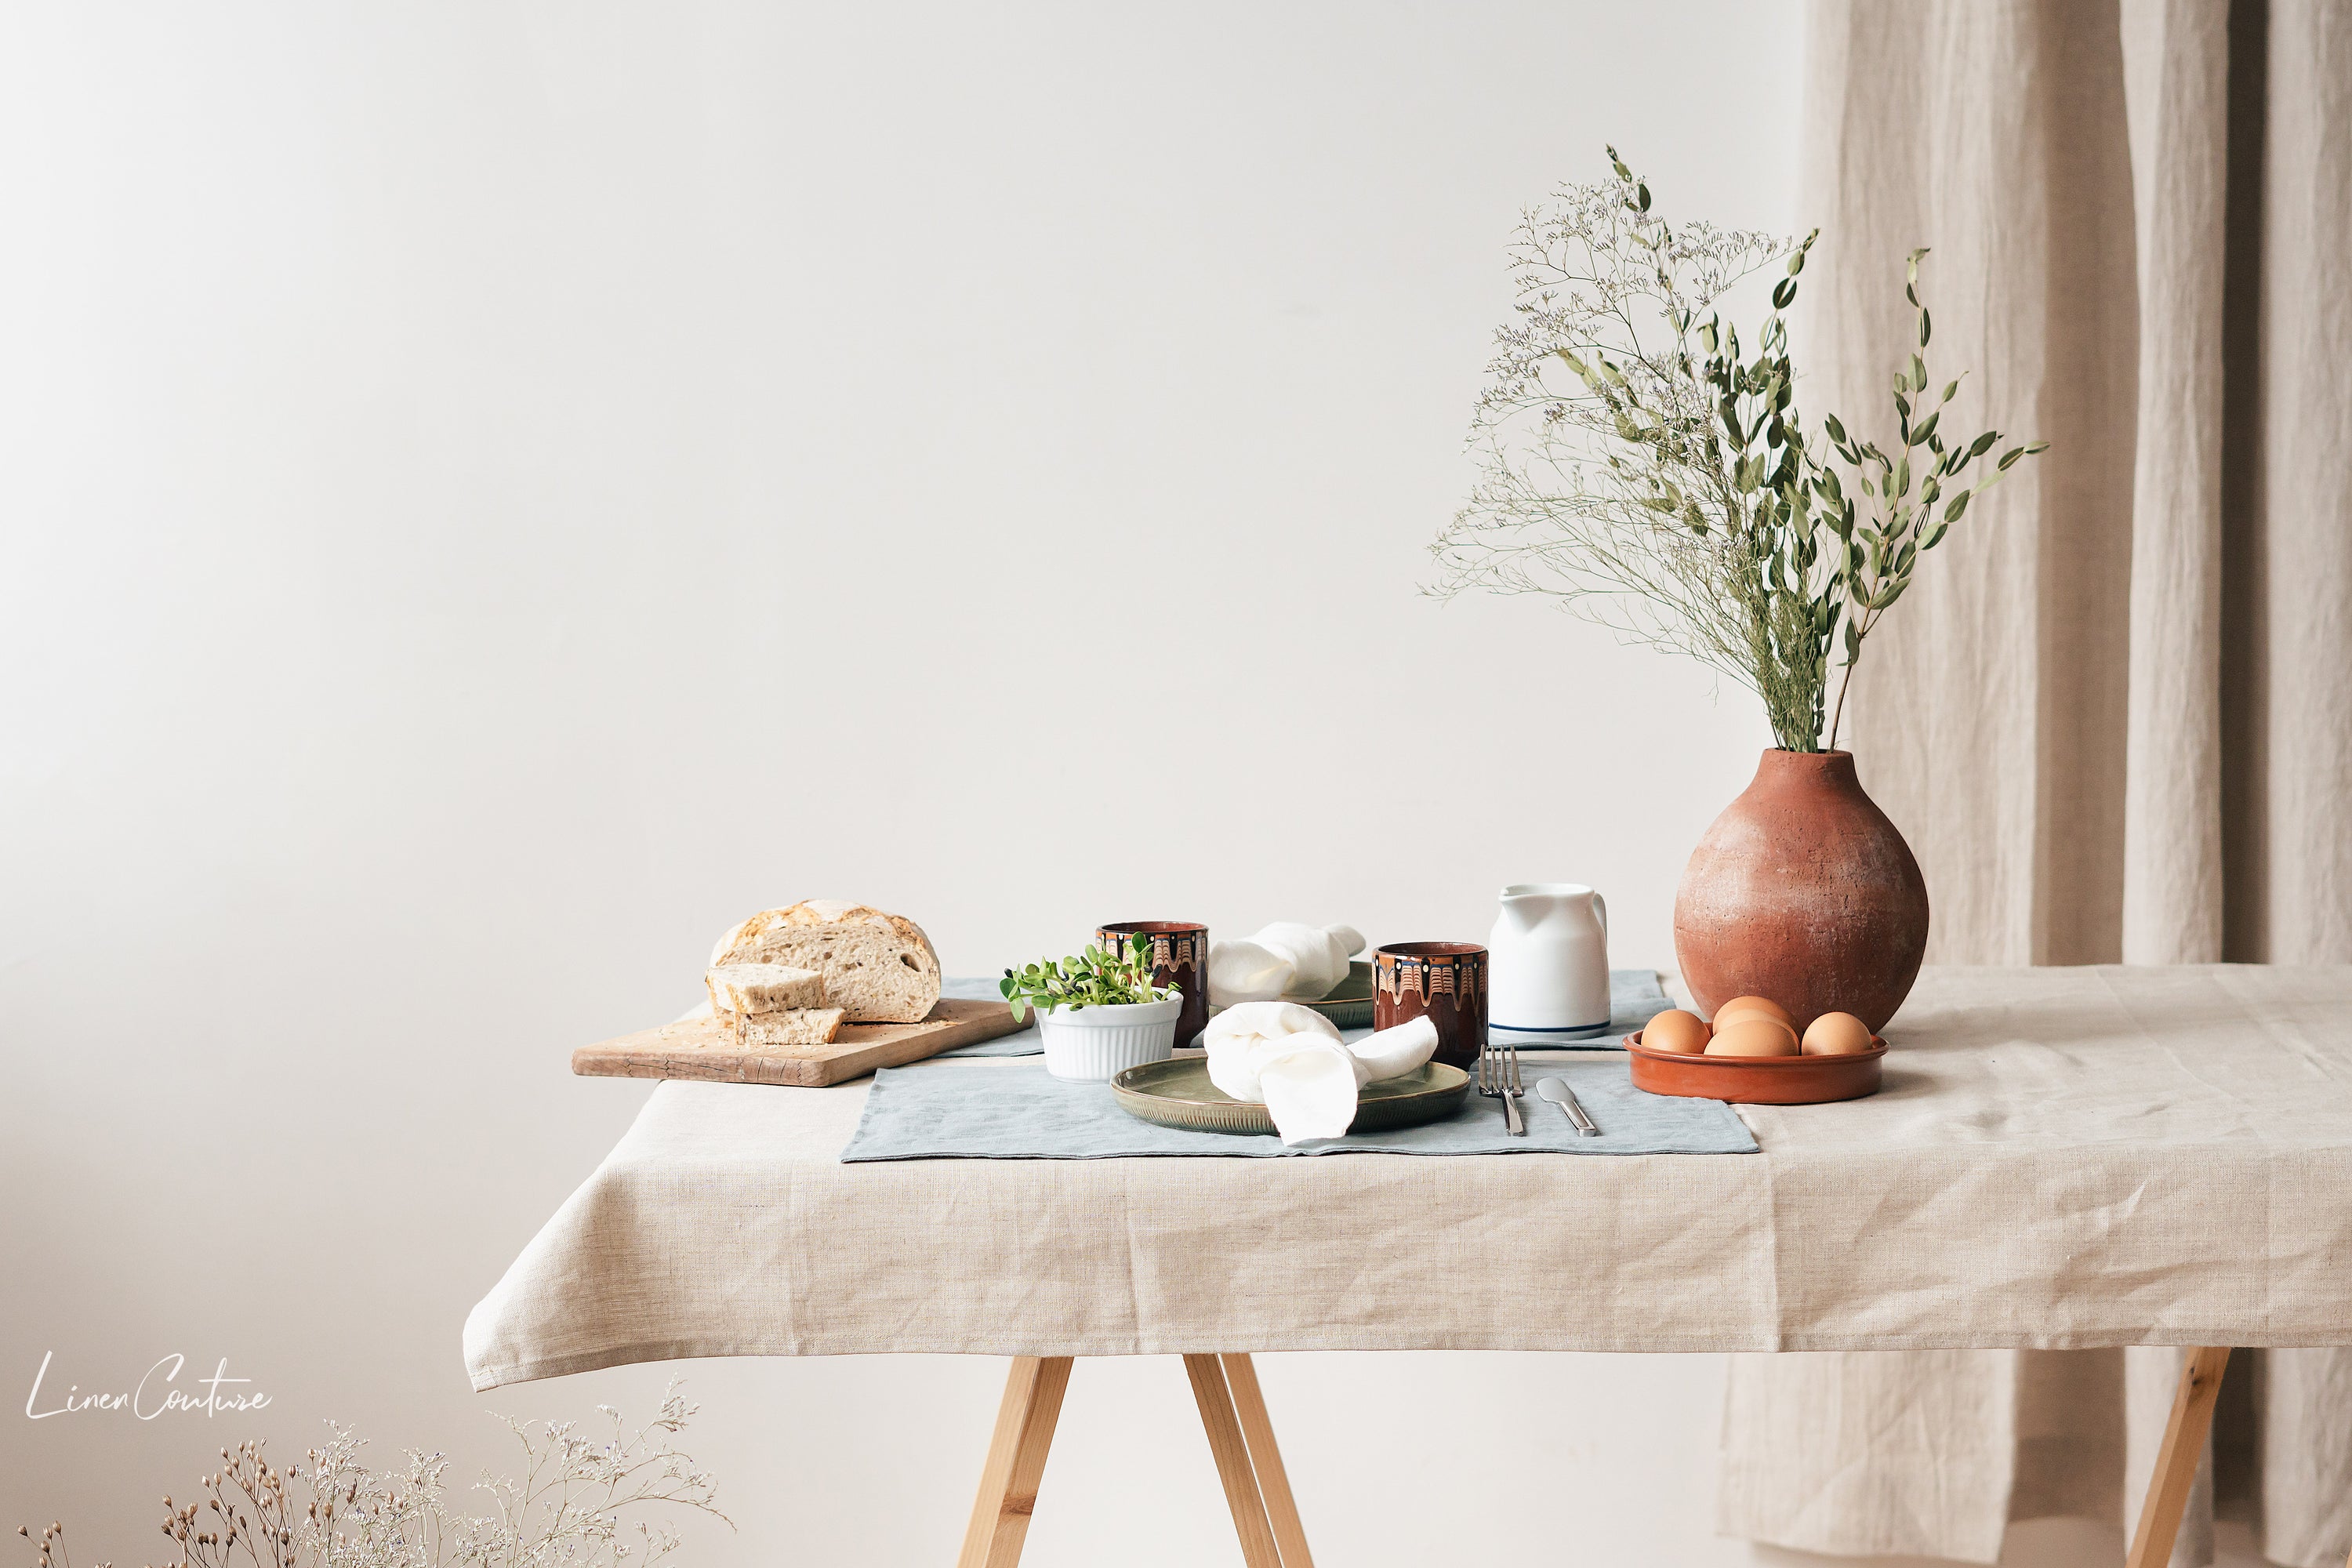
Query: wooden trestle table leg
point(1016, 1462)
point(1231, 1450)
point(2176, 1461)
point(1266, 1458)
point(1249, 1464)
point(1241, 1439)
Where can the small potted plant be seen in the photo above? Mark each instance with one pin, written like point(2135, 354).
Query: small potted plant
point(1098, 1013)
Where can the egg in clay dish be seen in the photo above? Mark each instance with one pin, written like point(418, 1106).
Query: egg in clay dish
point(1740, 1007)
point(1836, 1035)
point(1752, 1036)
point(1677, 1031)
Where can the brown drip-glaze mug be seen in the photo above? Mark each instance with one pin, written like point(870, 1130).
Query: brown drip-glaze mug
point(1446, 981)
point(1180, 957)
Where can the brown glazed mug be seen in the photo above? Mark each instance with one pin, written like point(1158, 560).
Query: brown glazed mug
point(1443, 981)
point(1180, 957)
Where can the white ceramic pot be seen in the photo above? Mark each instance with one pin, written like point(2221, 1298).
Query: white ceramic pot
point(1548, 965)
point(1088, 1045)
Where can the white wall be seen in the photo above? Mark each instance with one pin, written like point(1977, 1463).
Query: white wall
point(493, 493)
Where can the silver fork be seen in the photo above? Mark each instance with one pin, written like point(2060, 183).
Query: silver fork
point(1499, 1078)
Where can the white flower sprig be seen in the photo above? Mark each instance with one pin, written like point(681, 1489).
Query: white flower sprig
point(576, 1505)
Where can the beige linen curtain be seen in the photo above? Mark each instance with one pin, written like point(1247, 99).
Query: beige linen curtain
point(2114, 716)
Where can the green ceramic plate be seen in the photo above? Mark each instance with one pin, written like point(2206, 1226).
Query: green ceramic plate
point(1349, 1005)
point(1179, 1094)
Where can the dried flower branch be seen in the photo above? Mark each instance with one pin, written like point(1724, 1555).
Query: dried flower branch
point(1640, 466)
point(575, 1506)
point(52, 1543)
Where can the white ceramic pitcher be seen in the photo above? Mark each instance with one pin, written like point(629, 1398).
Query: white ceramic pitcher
point(1548, 970)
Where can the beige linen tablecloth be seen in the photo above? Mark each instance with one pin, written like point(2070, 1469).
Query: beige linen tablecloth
point(2060, 1158)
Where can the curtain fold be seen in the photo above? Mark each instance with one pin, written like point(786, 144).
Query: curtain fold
point(2175, 67)
point(2114, 715)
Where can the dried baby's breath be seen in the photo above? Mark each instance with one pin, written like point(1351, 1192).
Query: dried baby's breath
point(585, 1500)
point(1637, 465)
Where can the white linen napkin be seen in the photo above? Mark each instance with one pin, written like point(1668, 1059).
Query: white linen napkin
point(1291, 1059)
point(1286, 961)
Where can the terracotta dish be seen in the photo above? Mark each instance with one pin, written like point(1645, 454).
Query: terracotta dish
point(1757, 1080)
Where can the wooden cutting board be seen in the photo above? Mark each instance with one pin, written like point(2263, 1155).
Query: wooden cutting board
point(705, 1049)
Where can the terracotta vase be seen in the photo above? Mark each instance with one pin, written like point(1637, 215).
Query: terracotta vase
point(1804, 892)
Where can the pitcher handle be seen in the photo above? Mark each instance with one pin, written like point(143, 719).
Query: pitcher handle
point(1600, 908)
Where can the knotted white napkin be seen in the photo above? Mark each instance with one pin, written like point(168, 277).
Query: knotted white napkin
point(1284, 960)
point(1291, 1059)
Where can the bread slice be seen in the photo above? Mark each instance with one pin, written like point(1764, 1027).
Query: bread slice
point(879, 968)
point(763, 988)
point(786, 1031)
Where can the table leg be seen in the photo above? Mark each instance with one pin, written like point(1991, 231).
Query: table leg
point(1230, 1451)
point(2176, 1461)
point(1266, 1458)
point(1016, 1462)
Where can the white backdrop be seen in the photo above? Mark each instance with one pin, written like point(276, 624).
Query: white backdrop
point(494, 493)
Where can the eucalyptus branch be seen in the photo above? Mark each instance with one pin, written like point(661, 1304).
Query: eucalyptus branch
point(1881, 547)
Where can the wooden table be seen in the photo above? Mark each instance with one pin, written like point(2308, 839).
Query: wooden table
point(2060, 1157)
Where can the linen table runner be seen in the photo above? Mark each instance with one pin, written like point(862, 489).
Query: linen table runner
point(1016, 1110)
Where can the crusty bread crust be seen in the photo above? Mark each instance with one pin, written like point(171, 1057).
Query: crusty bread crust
point(902, 991)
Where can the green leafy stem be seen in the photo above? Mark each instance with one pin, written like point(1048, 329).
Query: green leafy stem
point(1098, 977)
point(1881, 549)
point(1675, 492)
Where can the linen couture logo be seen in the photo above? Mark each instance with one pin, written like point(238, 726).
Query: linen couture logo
point(159, 1391)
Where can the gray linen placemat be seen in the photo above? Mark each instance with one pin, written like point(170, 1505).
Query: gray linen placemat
point(1634, 997)
point(1017, 1110)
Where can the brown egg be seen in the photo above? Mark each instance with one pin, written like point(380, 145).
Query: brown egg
point(1753, 1037)
point(1836, 1035)
point(1740, 1007)
point(1677, 1031)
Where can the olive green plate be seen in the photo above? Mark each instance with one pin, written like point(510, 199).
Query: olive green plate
point(1349, 1005)
point(1179, 1094)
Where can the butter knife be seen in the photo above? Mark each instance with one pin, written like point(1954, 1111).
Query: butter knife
point(1556, 1089)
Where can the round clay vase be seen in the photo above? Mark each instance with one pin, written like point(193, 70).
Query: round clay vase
point(1802, 891)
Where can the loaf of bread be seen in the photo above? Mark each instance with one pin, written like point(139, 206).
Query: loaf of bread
point(763, 988)
point(784, 1031)
point(879, 968)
